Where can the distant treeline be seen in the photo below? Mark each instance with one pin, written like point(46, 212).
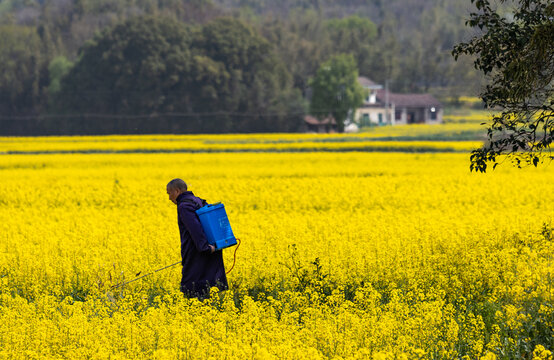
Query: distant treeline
point(151, 66)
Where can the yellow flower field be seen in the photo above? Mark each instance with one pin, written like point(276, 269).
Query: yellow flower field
point(452, 137)
point(346, 255)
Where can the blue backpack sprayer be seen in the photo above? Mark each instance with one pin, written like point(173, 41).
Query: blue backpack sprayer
point(217, 228)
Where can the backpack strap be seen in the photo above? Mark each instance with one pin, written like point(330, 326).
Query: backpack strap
point(189, 201)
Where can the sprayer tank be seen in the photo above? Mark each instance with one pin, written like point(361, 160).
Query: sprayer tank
point(216, 225)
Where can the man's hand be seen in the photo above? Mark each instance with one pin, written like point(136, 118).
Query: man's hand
point(212, 248)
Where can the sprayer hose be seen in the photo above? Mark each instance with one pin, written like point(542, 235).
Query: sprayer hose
point(234, 257)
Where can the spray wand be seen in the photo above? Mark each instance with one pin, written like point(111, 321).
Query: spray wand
point(168, 266)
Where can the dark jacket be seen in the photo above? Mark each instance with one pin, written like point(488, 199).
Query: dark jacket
point(201, 268)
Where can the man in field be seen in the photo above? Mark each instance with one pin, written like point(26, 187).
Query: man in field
point(202, 265)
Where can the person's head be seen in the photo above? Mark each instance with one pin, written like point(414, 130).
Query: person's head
point(175, 188)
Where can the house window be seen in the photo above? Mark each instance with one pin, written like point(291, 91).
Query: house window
point(398, 114)
point(433, 113)
point(380, 118)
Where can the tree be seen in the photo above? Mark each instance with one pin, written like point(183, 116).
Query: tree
point(258, 89)
point(336, 90)
point(137, 67)
point(220, 77)
point(126, 74)
point(517, 53)
point(20, 56)
point(353, 35)
point(242, 53)
point(302, 43)
point(384, 62)
point(57, 69)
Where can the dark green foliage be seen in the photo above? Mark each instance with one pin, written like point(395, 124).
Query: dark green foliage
point(353, 35)
point(384, 63)
point(57, 69)
point(301, 42)
point(221, 77)
point(138, 67)
point(255, 93)
point(249, 62)
point(20, 70)
point(258, 86)
point(517, 53)
point(336, 89)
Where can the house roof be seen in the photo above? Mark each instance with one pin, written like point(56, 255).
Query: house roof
point(367, 83)
point(408, 100)
point(315, 121)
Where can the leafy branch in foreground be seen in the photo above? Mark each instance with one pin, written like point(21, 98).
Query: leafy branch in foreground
point(516, 51)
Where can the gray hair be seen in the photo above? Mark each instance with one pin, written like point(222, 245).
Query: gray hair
point(177, 184)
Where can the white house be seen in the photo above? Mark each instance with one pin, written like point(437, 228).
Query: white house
point(382, 107)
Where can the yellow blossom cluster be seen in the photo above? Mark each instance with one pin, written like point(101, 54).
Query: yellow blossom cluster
point(343, 255)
